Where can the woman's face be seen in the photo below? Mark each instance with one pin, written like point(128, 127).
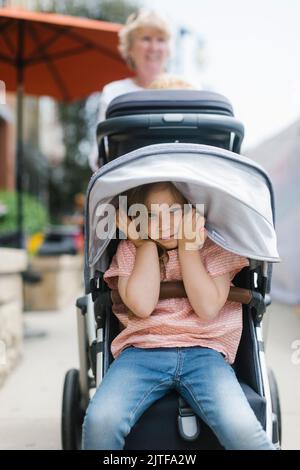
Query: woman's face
point(165, 212)
point(149, 52)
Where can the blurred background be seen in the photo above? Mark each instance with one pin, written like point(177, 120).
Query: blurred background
point(246, 51)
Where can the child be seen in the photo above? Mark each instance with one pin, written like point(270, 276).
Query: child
point(184, 343)
point(168, 81)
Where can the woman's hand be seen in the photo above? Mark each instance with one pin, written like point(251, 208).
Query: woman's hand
point(191, 231)
point(128, 227)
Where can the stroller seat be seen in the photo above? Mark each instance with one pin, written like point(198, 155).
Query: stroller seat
point(179, 427)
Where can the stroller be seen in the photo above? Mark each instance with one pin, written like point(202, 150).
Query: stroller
point(192, 139)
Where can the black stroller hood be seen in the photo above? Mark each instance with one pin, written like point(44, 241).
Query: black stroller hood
point(160, 101)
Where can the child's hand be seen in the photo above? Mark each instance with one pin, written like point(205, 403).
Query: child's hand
point(128, 227)
point(191, 231)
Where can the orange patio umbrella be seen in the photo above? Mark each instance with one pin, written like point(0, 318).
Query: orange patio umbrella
point(64, 57)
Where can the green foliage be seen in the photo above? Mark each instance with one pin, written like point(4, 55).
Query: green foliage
point(35, 214)
point(108, 10)
point(117, 11)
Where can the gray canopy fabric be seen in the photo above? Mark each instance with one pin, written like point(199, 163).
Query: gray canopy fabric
point(236, 193)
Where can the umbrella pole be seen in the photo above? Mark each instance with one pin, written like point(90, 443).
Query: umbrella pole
point(19, 169)
point(20, 145)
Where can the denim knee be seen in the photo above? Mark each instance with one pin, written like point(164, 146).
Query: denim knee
point(104, 428)
point(243, 433)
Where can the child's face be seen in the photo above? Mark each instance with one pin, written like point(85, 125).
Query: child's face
point(165, 212)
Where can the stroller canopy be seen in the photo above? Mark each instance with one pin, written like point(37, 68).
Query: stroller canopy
point(236, 192)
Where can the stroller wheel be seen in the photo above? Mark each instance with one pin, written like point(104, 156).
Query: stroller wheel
point(275, 406)
point(72, 414)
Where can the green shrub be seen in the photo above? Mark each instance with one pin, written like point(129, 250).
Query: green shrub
point(35, 214)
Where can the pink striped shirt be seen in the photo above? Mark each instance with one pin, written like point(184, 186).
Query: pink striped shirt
point(174, 323)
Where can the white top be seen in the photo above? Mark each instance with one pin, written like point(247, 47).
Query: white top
point(114, 89)
point(109, 92)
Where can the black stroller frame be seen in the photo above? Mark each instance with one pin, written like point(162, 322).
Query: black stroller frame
point(137, 120)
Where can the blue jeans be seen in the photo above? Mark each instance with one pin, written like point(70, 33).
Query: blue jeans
point(139, 377)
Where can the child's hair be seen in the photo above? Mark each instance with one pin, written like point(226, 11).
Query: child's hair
point(168, 81)
point(139, 194)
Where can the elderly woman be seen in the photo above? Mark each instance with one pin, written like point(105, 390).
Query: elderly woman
point(144, 45)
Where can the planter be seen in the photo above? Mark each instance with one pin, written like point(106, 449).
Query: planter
point(62, 278)
point(12, 263)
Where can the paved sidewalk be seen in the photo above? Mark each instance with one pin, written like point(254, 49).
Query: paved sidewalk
point(30, 401)
point(282, 329)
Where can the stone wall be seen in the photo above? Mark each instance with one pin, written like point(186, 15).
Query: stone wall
point(62, 278)
point(12, 263)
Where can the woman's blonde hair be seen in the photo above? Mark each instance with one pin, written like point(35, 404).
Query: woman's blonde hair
point(167, 81)
point(141, 19)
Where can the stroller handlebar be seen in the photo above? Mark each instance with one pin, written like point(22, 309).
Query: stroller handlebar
point(174, 123)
